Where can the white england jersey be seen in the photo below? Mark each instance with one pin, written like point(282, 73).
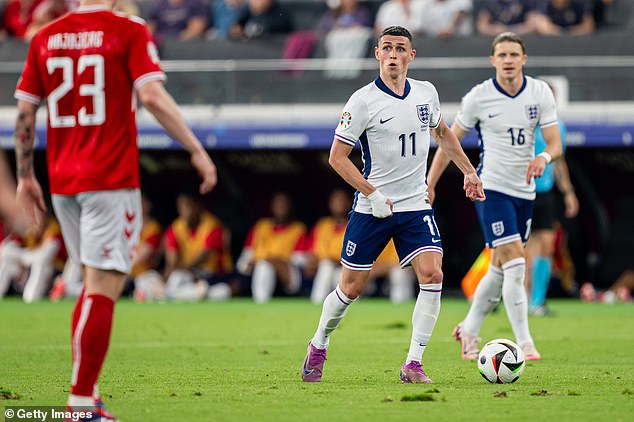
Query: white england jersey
point(506, 131)
point(394, 135)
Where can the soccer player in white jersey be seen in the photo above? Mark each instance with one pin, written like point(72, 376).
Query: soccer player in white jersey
point(505, 110)
point(392, 118)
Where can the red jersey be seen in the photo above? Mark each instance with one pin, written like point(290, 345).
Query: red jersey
point(87, 65)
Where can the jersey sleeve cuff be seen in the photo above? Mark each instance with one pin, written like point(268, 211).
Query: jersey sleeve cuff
point(547, 124)
point(462, 125)
point(345, 140)
point(152, 76)
point(437, 123)
point(25, 96)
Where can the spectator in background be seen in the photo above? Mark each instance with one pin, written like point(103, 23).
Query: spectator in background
point(128, 7)
point(558, 17)
point(30, 261)
point(518, 16)
point(260, 19)
point(225, 14)
point(347, 32)
point(344, 14)
point(446, 18)
point(197, 258)
point(324, 245)
point(18, 15)
point(274, 251)
point(148, 283)
point(47, 11)
point(405, 13)
point(179, 19)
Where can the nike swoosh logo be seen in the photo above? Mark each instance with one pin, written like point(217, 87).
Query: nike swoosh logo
point(386, 120)
point(308, 371)
point(435, 240)
point(493, 115)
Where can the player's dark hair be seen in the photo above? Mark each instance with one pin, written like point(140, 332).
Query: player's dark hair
point(397, 31)
point(507, 37)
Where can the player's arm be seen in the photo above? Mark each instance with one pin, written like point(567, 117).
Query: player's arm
point(564, 184)
point(552, 151)
point(161, 104)
point(449, 149)
point(29, 192)
point(340, 161)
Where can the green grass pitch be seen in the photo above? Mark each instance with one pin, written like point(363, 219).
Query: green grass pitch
point(237, 361)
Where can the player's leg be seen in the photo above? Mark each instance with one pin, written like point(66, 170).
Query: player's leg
point(495, 215)
point(541, 266)
point(182, 285)
point(109, 224)
point(333, 310)
point(540, 248)
point(322, 284)
point(42, 270)
point(288, 274)
point(400, 284)
point(365, 238)
point(263, 281)
point(10, 266)
point(417, 241)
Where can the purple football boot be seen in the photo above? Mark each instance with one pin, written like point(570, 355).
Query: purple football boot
point(313, 364)
point(413, 372)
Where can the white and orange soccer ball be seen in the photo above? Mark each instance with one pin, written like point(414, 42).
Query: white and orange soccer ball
point(501, 361)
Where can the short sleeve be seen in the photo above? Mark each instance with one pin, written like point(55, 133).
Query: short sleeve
point(436, 116)
point(30, 86)
point(548, 112)
point(467, 116)
point(143, 58)
point(354, 120)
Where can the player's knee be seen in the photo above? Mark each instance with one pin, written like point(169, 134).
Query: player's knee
point(431, 276)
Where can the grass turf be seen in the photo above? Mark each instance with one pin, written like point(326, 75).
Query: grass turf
point(240, 361)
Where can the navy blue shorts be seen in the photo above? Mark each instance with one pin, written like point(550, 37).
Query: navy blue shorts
point(414, 232)
point(504, 218)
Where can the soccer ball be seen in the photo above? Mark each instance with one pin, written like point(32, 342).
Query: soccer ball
point(501, 361)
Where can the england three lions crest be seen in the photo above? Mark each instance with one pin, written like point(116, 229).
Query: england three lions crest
point(350, 248)
point(423, 113)
point(497, 228)
point(532, 111)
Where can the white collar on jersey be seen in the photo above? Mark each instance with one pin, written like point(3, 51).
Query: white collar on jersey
point(92, 8)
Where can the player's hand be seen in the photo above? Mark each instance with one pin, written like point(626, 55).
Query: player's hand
point(571, 204)
point(473, 187)
point(381, 206)
point(206, 168)
point(535, 168)
point(431, 194)
point(30, 200)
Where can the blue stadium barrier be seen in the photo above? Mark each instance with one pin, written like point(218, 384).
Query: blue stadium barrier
point(233, 136)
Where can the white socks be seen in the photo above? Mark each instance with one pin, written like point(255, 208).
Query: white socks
point(485, 299)
point(515, 300)
point(333, 311)
point(328, 273)
point(401, 285)
point(263, 281)
point(424, 319)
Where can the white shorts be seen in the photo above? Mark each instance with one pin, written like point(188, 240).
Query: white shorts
point(100, 229)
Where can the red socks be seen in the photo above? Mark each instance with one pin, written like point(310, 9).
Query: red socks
point(91, 327)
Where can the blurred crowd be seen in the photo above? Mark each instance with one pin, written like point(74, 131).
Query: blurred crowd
point(248, 19)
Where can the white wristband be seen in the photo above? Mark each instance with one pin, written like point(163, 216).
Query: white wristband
point(546, 156)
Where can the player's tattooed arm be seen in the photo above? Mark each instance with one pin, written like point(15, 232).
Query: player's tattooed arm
point(25, 139)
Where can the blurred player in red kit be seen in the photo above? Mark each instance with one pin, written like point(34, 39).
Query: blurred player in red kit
point(90, 66)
